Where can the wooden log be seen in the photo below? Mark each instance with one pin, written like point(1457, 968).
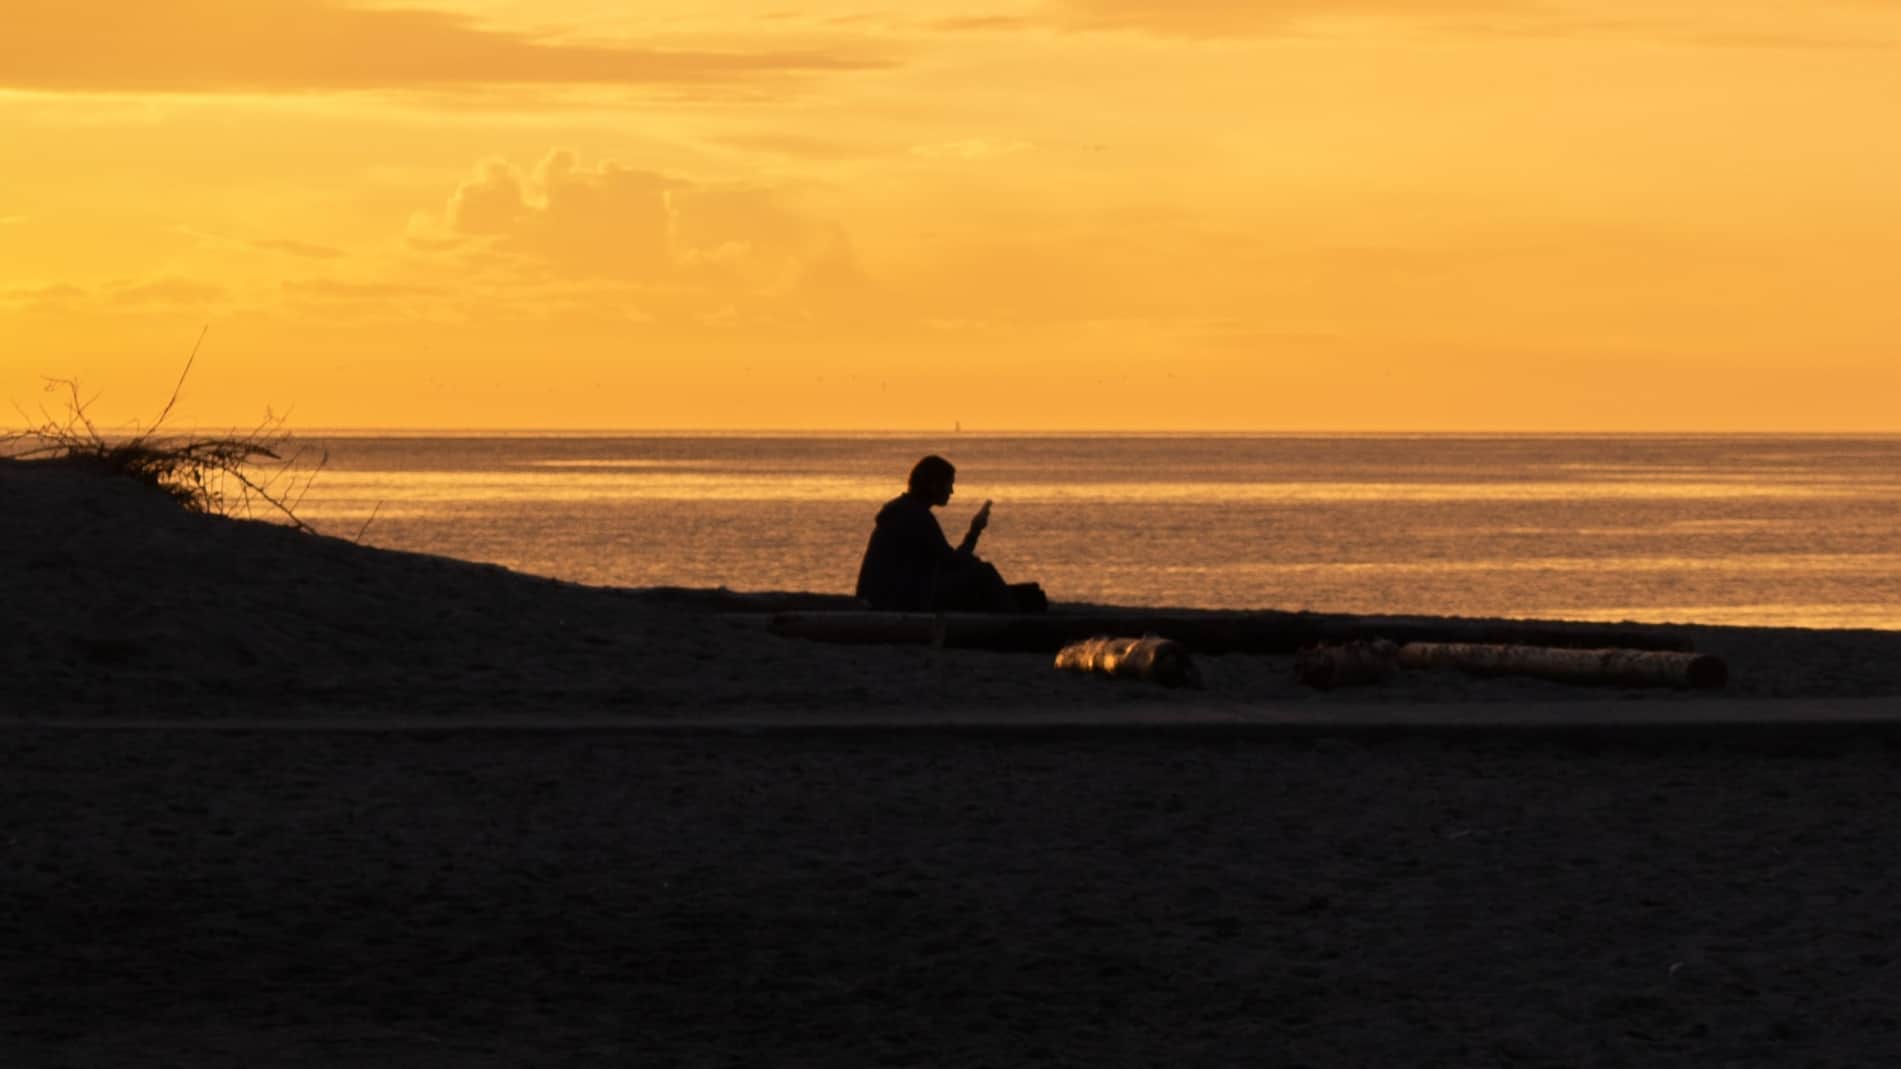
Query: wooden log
point(1622, 667)
point(1203, 632)
point(1151, 658)
point(720, 599)
point(1347, 664)
point(861, 628)
point(1555, 633)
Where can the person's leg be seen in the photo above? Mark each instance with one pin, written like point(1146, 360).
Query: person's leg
point(972, 586)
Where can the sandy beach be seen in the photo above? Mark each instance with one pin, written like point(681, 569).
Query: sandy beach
point(120, 604)
point(504, 897)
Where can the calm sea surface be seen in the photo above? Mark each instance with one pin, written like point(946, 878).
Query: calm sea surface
point(1771, 530)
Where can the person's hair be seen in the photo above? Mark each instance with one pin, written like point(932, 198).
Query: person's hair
point(931, 472)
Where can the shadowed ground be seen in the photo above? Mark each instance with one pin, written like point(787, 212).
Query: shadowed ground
point(562, 896)
point(295, 899)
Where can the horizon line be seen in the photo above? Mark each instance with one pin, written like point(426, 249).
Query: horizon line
point(1083, 432)
point(370, 430)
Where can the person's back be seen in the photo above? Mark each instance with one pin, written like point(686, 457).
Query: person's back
point(910, 566)
point(902, 560)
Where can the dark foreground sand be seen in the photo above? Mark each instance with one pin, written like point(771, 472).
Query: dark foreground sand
point(214, 899)
point(563, 897)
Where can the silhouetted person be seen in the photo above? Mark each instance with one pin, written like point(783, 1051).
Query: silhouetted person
point(910, 565)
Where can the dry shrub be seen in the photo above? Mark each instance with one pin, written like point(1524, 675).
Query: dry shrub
point(260, 471)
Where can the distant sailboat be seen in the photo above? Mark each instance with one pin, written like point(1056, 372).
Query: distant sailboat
point(957, 426)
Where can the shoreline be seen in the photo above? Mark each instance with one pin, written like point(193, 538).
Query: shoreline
point(125, 605)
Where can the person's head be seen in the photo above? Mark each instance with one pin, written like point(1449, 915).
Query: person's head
point(933, 479)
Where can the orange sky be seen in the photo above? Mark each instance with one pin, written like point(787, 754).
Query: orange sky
point(1071, 214)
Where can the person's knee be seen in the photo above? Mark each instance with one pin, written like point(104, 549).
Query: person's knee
point(973, 585)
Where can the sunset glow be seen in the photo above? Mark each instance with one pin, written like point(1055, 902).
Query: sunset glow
point(1075, 214)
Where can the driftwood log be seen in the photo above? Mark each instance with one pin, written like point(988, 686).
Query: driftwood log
point(1203, 632)
point(861, 628)
point(1621, 667)
point(1152, 658)
point(1347, 664)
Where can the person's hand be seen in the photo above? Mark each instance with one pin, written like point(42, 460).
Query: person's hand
point(981, 520)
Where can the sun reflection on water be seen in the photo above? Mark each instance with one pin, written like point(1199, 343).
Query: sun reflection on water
point(1591, 528)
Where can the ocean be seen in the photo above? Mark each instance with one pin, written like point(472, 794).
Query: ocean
point(1776, 530)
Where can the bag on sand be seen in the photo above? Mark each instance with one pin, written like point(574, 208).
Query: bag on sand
point(1029, 597)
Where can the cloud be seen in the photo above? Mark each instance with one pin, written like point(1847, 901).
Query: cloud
point(608, 221)
point(1692, 24)
point(335, 290)
point(124, 295)
point(337, 301)
point(1738, 24)
point(121, 295)
point(963, 23)
point(753, 240)
point(57, 297)
point(693, 244)
point(298, 248)
point(302, 45)
point(1226, 18)
point(163, 292)
point(1716, 31)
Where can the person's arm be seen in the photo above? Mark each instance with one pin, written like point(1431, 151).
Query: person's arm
point(978, 522)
